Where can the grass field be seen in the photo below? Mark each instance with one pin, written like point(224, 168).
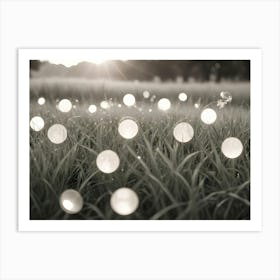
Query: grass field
point(173, 180)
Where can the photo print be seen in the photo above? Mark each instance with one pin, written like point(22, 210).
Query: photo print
point(134, 139)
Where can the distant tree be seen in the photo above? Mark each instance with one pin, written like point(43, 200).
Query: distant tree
point(34, 65)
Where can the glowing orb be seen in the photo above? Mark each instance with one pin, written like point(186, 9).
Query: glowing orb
point(104, 104)
point(57, 133)
point(183, 132)
point(196, 105)
point(41, 101)
point(232, 147)
point(182, 96)
point(37, 123)
point(92, 108)
point(146, 94)
point(152, 99)
point(124, 201)
point(226, 96)
point(64, 105)
point(129, 100)
point(128, 128)
point(107, 161)
point(71, 201)
point(164, 104)
point(208, 116)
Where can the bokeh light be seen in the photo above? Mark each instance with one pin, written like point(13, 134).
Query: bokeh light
point(41, 101)
point(57, 133)
point(104, 104)
point(208, 116)
point(182, 96)
point(183, 132)
point(107, 161)
point(71, 201)
point(65, 105)
point(225, 95)
point(124, 201)
point(152, 99)
point(128, 128)
point(92, 108)
point(129, 99)
point(164, 104)
point(232, 147)
point(146, 94)
point(37, 123)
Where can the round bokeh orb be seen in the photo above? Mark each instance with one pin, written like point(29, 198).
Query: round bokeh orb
point(164, 104)
point(41, 101)
point(146, 94)
point(124, 201)
point(208, 116)
point(64, 105)
point(183, 132)
point(128, 128)
point(129, 100)
point(182, 96)
point(232, 147)
point(108, 161)
point(71, 201)
point(92, 108)
point(104, 104)
point(57, 133)
point(37, 123)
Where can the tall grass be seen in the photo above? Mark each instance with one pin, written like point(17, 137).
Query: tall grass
point(173, 180)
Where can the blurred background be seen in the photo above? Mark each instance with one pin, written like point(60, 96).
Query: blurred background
point(146, 70)
point(96, 80)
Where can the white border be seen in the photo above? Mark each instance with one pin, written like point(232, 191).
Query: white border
point(255, 224)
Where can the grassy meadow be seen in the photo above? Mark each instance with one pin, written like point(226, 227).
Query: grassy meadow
point(173, 180)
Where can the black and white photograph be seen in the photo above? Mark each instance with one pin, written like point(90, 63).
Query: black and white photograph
point(139, 139)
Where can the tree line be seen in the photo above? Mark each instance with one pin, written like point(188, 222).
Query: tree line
point(145, 70)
